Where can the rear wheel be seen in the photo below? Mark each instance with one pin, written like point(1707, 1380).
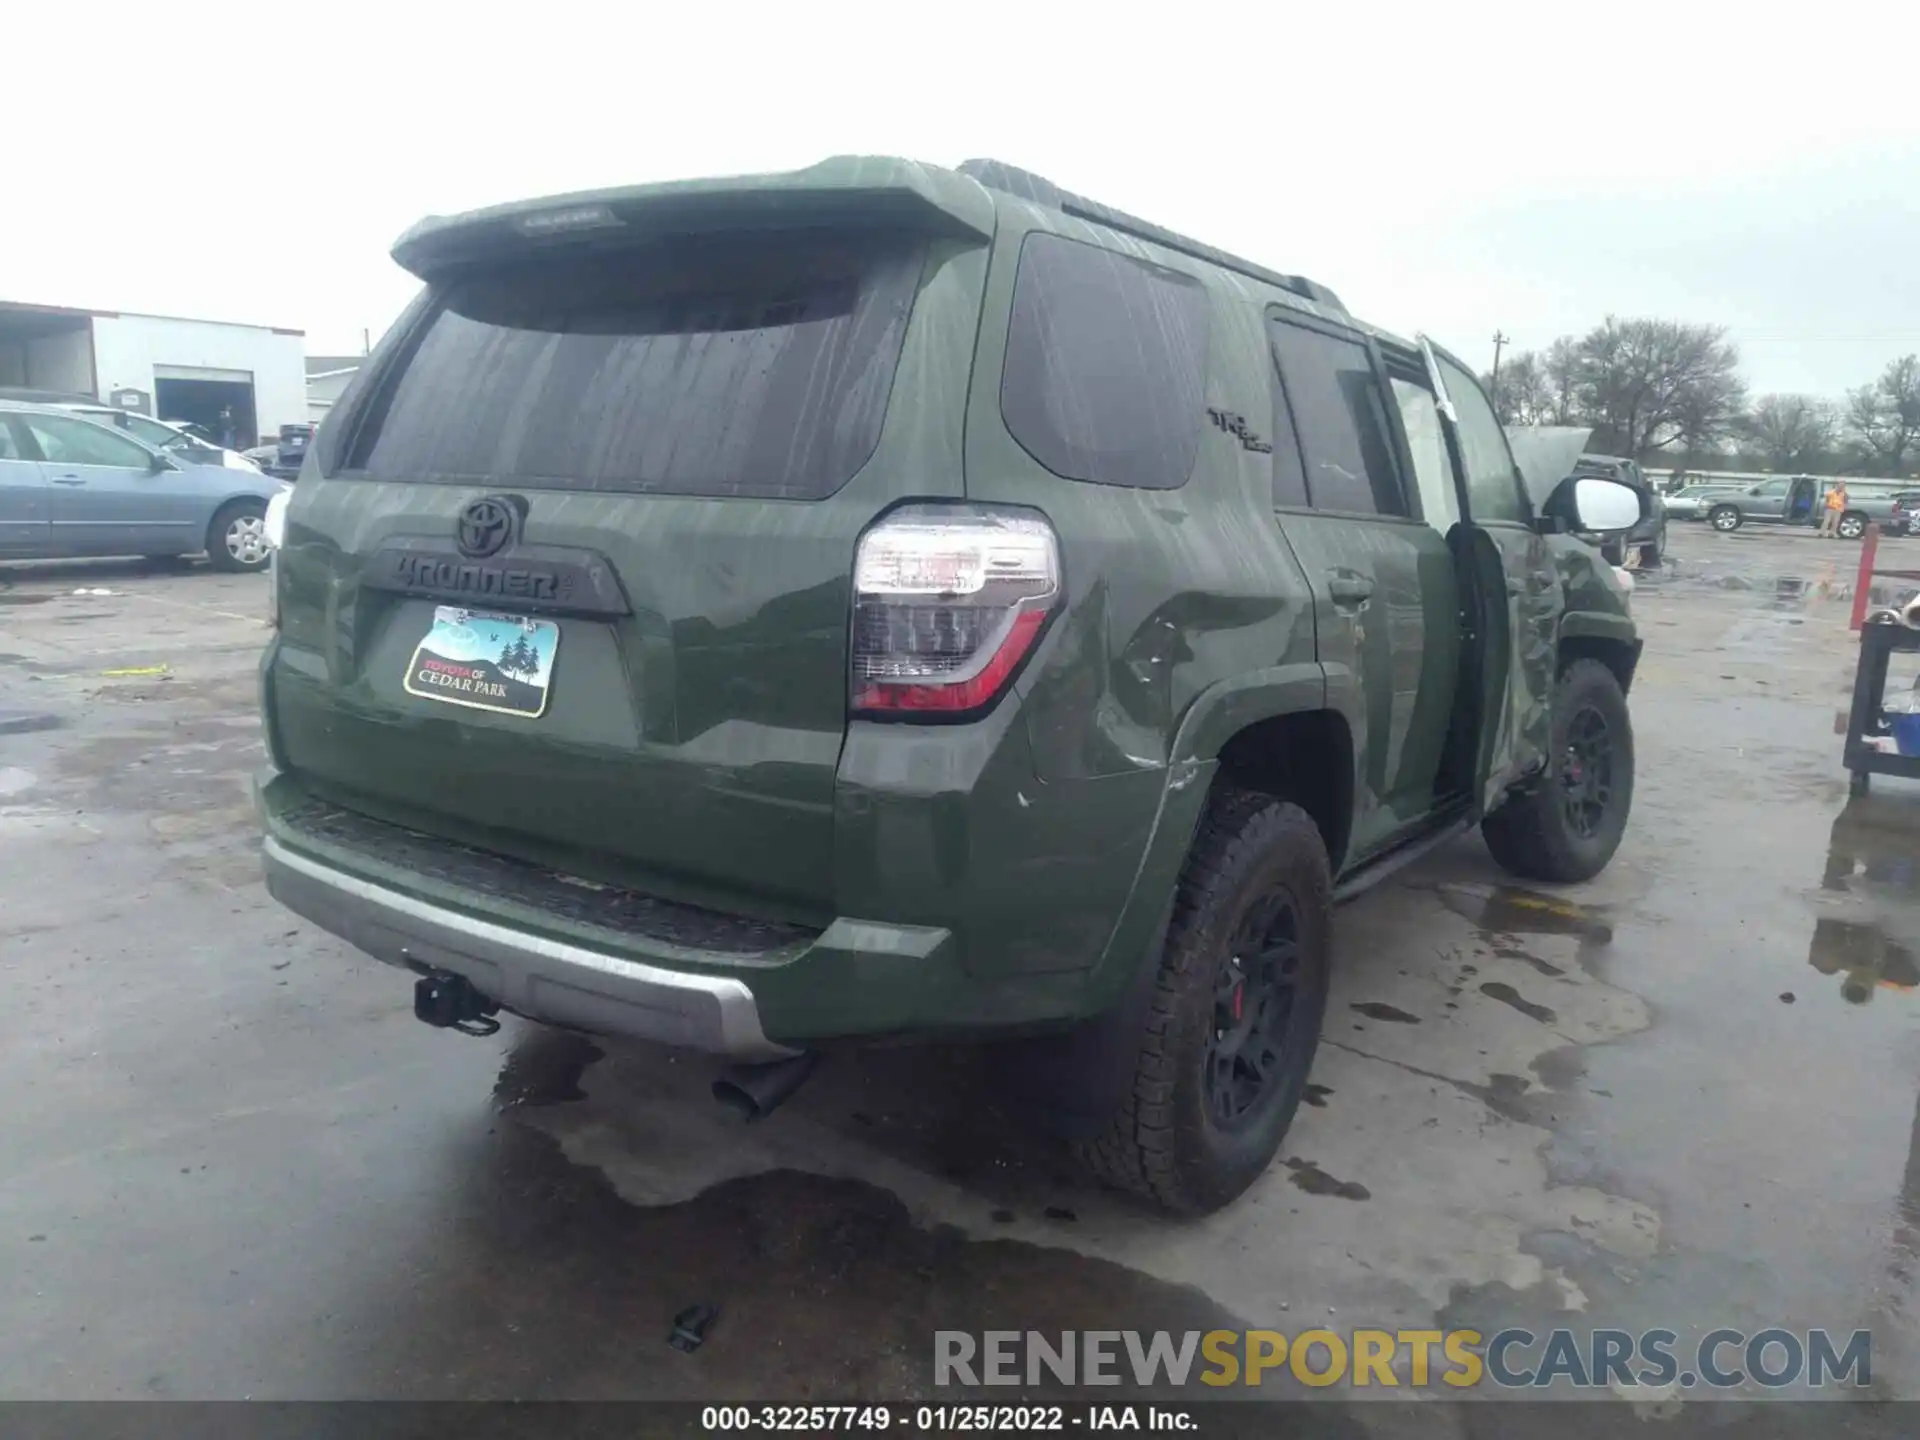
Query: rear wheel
point(1235, 1014)
point(237, 538)
point(1654, 551)
point(1852, 525)
point(1724, 518)
point(1568, 825)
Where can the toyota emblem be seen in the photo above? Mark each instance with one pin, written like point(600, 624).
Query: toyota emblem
point(485, 528)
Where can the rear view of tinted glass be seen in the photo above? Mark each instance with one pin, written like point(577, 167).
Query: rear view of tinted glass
point(1105, 368)
point(1342, 421)
point(752, 366)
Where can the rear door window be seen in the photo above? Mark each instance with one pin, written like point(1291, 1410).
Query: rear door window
point(1106, 365)
point(755, 366)
point(68, 441)
point(1341, 419)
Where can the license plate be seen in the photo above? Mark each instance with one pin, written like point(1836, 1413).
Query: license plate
point(502, 663)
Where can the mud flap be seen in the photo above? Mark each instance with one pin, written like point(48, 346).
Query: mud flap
point(1071, 1083)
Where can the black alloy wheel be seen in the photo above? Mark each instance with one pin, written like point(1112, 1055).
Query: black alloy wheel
point(1253, 1009)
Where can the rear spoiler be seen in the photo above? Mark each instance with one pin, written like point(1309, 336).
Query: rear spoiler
point(845, 190)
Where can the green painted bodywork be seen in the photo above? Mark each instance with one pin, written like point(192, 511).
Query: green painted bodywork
point(1013, 871)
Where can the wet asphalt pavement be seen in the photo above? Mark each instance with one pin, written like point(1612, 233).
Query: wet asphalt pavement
point(232, 1164)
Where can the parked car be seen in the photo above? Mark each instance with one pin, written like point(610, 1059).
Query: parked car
point(1797, 501)
point(289, 451)
point(1903, 515)
point(167, 435)
point(70, 486)
point(1025, 619)
point(1649, 537)
point(1691, 501)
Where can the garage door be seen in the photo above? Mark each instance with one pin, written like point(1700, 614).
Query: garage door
point(220, 402)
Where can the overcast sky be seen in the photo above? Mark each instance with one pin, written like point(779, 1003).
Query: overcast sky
point(1457, 168)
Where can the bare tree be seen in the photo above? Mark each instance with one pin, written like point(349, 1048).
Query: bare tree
point(1561, 370)
point(1883, 418)
point(1647, 385)
point(1522, 396)
point(1792, 432)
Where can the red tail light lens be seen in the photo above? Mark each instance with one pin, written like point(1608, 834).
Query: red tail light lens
point(947, 603)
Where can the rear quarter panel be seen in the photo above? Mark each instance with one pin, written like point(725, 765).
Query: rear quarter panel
point(1174, 598)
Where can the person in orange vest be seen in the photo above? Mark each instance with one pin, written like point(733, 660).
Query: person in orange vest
point(1836, 502)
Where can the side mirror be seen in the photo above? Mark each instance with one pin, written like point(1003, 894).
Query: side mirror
point(1594, 506)
point(159, 465)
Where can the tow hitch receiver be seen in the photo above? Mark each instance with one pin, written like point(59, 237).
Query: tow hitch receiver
point(448, 1002)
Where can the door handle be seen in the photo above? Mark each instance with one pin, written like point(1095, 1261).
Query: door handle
point(68, 480)
point(1349, 589)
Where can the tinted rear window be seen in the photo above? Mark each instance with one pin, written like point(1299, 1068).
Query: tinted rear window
point(752, 366)
point(1106, 362)
point(1341, 420)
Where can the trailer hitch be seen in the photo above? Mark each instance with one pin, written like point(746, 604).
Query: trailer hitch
point(449, 1002)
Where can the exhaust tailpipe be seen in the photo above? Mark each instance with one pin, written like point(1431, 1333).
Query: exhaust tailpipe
point(756, 1091)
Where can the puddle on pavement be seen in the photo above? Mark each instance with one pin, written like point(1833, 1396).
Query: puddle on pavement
point(1315, 1181)
point(1507, 995)
point(545, 1071)
point(1771, 591)
point(1789, 592)
point(1511, 910)
point(1873, 871)
point(824, 1282)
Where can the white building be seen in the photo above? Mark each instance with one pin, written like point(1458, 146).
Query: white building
point(249, 377)
point(327, 379)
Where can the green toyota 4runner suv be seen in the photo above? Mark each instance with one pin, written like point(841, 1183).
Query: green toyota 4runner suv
point(882, 602)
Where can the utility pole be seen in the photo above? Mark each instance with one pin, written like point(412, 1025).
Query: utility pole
point(1500, 338)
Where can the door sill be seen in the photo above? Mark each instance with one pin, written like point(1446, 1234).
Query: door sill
point(1447, 824)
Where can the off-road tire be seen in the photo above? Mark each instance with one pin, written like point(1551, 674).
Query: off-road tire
point(1531, 834)
point(1163, 1144)
point(1724, 518)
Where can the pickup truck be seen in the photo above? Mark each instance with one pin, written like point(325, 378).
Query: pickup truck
point(1797, 501)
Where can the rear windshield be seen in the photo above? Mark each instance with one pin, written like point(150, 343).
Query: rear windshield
point(751, 366)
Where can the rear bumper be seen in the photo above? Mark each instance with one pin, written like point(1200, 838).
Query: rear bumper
point(552, 947)
point(532, 975)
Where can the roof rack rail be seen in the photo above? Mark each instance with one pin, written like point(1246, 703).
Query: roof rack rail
point(1025, 185)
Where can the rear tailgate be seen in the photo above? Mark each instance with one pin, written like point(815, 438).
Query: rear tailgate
point(571, 578)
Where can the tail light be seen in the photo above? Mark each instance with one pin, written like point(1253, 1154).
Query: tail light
point(948, 601)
